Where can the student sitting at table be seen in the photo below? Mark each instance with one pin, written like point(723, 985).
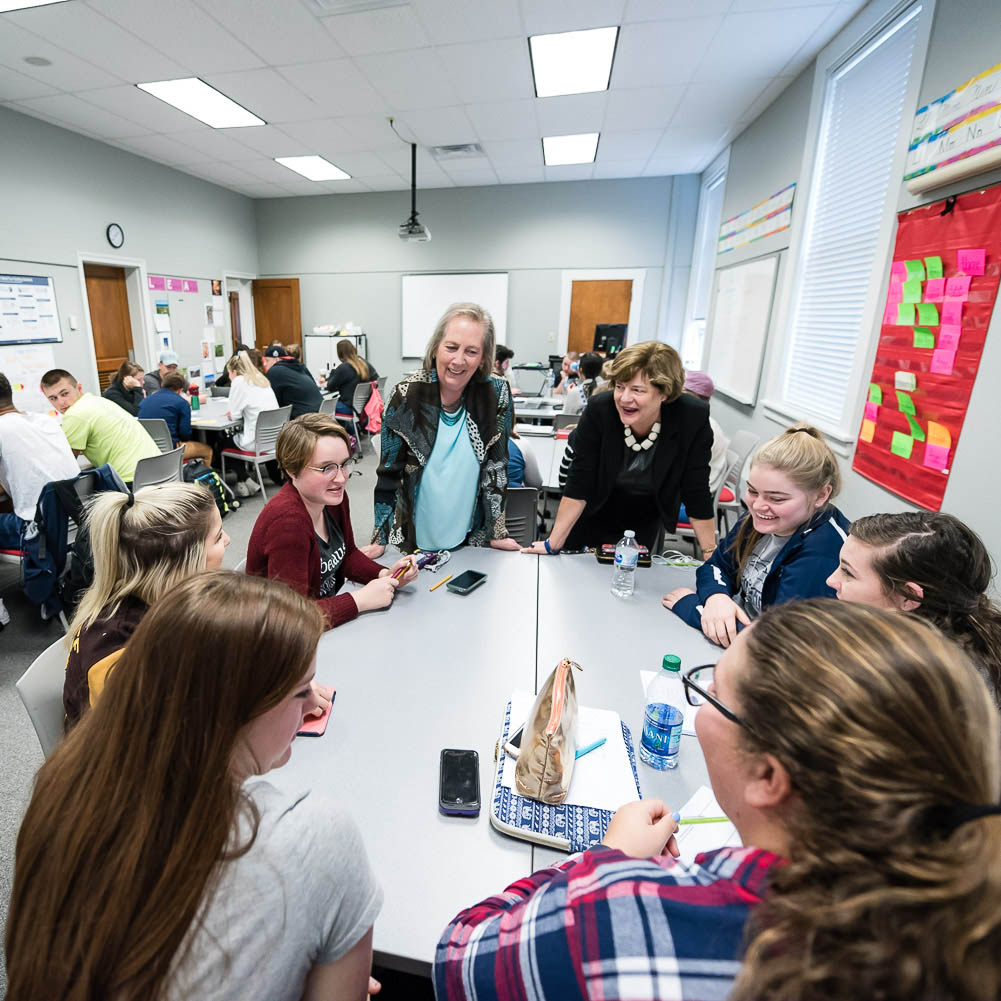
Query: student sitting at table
point(577, 396)
point(785, 547)
point(637, 454)
point(871, 858)
point(154, 862)
point(126, 389)
point(344, 379)
point(171, 405)
point(143, 546)
point(303, 536)
point(167, 363)
point(442, 478)
point(522, 469)
point(933, 566)
point(97, 428)
point(568, 373)
point(502, 366)
point(291, 382)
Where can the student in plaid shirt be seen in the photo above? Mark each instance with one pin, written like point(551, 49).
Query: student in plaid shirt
point(876, 866)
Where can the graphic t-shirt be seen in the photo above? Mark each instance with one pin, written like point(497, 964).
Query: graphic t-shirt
point(752, 580)
point(331, 558)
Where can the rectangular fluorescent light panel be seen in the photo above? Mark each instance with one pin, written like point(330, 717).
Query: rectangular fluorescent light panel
point(313, 167)
point(561, 150)
point(572, 62)
point(9, 5)
point(198, 99)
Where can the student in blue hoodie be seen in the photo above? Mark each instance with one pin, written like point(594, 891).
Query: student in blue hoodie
point(785, 547)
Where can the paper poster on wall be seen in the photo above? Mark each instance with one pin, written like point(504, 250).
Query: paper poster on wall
point(24, 365)
point(28, 313)
point(923, 375)
point(767, 217)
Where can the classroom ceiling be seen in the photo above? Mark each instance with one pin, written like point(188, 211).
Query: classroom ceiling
point(687, 78)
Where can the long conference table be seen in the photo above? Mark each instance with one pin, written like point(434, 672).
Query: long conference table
point(436, 670)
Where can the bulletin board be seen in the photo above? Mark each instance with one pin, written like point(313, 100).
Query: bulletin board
point(425, 297)
point(943, 284)
point(28, 312)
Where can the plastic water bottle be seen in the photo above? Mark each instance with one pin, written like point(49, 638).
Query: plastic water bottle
point(627, 554)
point(662, 721)
point(550, 381)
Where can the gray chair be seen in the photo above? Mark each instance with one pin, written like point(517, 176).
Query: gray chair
point(330, 406)
point(565, 421)
point(219, 390)
point(165, 468)
point(41, 691)
point(269, 424)
point(362, 392)
point(156, 428)
point(520, 514)
point(380, 384)
point(742, 444)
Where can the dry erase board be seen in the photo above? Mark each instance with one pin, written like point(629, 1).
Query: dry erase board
point(426, 297)
point(742, 309)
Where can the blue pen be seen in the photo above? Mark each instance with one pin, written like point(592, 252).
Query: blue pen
point(590, 747)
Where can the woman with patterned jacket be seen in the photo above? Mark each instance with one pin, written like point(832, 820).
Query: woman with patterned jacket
point(442, 481)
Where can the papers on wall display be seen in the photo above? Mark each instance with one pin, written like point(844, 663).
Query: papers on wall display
point(770, 216)
point(28, 311)
point(24, 365)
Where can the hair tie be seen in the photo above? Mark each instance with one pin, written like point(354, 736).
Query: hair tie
point(131, 500)
point(948, 818)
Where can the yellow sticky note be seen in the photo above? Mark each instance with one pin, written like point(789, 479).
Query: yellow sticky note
point(868, 430)
point(938, 434)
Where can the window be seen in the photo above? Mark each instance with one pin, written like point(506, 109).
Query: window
point(844, 235)
point(703, 260)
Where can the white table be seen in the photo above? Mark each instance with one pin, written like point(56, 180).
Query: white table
point(211, 415)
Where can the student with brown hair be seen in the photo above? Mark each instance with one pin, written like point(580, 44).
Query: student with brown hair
point(150, 865)
point(352, 370)
point(171, 404)
point(126, 389)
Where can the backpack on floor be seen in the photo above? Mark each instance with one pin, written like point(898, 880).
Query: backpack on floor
point(197, 472)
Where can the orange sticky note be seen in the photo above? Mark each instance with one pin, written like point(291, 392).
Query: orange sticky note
point(938, 434)
point(868, 430)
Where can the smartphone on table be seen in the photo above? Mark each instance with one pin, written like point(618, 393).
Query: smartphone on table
point(459, 783)
point(466, 582)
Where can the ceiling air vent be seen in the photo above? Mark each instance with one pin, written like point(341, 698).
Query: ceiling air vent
point(328, 8)
point(463, 151)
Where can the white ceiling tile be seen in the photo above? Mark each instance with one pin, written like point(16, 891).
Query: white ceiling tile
point(778, 36)
point(212, 144)
point(570, 172)
point(469, 21)
point(413, 80)
point(336, 86)
point(515, 153)
point(16, 86)
point(388, 30)
point(262, 190)
point(137, 106)
point(751, 6)
point(659, 10)
point(399, 160)
point(719, 102)
point(221, 173)
point(567, 116)
point(164, 149)
point(182, 32)
point(267, 170)
point(489, 71)
point(283, 32)
point(504, 120)
point(267, 95)
point(664, 52)
point(441, 180)
point(438, 126)
point(618, 146)
point(387, 182)
point(474, 178)
point(78, 114)
point(521, 175)
point(642, 107)
point(837, 19)
point(268, 140)
point(324, 135)
point(628, 168)
point(665, 166)
point(542, 17)
point(303, 186)
point(343, 187)
point(67, 72)
point(371, 132)
point(362, 165)
point(676, 142)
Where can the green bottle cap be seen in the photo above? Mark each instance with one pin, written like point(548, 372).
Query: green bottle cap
point(671, 662)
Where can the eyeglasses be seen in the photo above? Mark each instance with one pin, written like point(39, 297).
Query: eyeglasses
point(330, 469)
point(697, 683)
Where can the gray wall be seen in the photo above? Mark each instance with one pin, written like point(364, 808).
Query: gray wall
point(345, 251)
point(60, 192)
point(768, 155)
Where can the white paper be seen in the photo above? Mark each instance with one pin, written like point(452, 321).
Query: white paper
point(695, 838)
point(602, 779)
point(678, 700)
point(162, 323)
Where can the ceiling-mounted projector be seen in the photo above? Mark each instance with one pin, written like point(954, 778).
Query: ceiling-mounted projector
point(413, 231)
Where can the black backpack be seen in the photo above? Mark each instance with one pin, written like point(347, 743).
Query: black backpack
point(197, 472)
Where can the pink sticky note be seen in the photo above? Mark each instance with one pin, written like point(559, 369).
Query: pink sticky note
point(174, 285)
point(871, 410)
point(948, 336)
point(971, 262)
point(952, 311)
point(942, 361)
point(936, 456)
point(156, 283)
point(898, 269)
point(935, 289)
point(896, 293)
point(890, 313)
point(958, 287)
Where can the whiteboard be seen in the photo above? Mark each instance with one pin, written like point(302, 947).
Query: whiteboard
point(742, 309)
point(426, 297)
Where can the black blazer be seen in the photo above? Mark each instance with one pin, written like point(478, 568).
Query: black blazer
point(680, 460)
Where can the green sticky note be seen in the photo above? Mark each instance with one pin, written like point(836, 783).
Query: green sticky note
point(905, 314)
point(933, 265)
point(923, 338)
point(875, 393)
point(915, 269)
point(901, 444)
point(916, 431)
point(904, 403)
point(927, 313)
point(912, 290)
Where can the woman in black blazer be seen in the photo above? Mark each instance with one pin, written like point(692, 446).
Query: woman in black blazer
point(638, 452)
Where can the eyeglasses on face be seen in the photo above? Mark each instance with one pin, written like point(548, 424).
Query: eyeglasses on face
point(330, 469)
point(697, 683)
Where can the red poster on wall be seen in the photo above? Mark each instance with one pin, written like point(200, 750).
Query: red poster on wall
point(943, 283)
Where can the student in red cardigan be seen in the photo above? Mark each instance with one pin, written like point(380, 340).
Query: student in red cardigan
point(303, 536)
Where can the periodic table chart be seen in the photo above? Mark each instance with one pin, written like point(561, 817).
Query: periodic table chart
point(28, 313)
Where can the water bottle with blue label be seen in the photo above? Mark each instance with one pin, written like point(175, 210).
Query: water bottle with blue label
point(627, 554)
point(662, 721)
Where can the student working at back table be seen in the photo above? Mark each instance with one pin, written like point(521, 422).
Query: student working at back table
point(171, 405)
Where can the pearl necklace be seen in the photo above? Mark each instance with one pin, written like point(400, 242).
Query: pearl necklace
point(638, 446)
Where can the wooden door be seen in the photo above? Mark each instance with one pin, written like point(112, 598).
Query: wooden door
point(595, 302)
point(109, 319)
point(234, 319)
point(276, 311)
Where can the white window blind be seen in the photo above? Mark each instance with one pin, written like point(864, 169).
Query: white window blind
point(859, 132)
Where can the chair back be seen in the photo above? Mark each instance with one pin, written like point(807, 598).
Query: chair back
point(561, 421)
point(219, 390)
point(41, 691)
point(742, 444)
point(362, 392)
point(159, 469)
point(269, 423)
point(241, 567)
point(380, 384)
point(156, 428)
point(520, 514)
point(330, 406)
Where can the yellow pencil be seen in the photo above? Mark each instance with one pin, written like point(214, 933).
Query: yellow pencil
point(445, 581)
